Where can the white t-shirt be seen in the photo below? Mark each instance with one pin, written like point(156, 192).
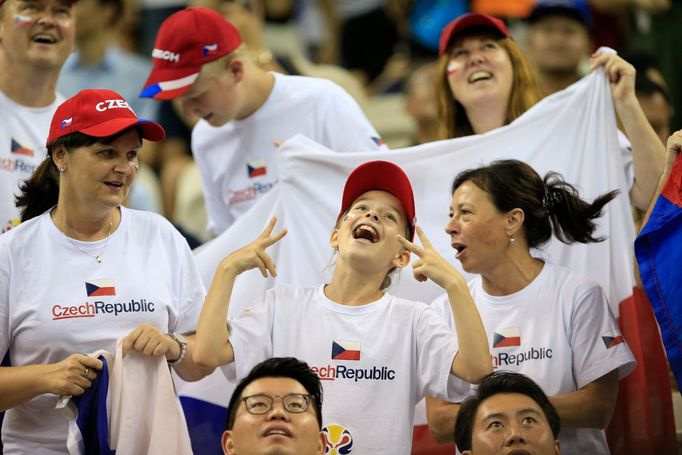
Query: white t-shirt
point(56, 301)
point(237, 160)
point(23, 133)
point(375, 361)
point(560, 332)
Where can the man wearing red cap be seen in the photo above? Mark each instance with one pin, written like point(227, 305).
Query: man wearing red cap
point(199, 59)
point(36, 37)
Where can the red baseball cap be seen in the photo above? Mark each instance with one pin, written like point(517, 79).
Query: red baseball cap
point(186, 41)
point(466, 21)
point(384, 176)
point(99, 113)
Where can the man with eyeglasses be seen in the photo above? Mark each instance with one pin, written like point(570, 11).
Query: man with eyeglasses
point(276, 409)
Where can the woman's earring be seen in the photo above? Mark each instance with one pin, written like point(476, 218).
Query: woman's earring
point(61, 171)
point(511, 239)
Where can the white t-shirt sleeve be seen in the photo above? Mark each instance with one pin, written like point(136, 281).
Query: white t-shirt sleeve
point(436, 350)
point(596, 342)
point(188, 288)
point(347, 129)
point(251, 337)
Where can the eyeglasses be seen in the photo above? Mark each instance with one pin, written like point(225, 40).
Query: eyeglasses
point(262, 404)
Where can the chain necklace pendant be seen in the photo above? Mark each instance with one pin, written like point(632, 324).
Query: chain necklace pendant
point(98, 257)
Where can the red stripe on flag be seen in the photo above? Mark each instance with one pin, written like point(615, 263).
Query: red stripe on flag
point(103, 291)
point(257, 171)
point(672, 190)
point(616, 341)
point(509, 341)
point(348, 355)
point(643, 421)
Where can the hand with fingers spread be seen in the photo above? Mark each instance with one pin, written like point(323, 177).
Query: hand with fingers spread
point(152, 342)
point(73, 375)
point(431, 265)
point(213, 347)
point(253, 255)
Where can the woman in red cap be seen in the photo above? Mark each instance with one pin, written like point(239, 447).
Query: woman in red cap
point(376, 354)
point(486, 82)
point(82, 271)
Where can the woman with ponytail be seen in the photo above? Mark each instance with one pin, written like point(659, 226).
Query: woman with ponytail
point(543, 320)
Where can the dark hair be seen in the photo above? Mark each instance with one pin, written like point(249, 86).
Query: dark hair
point(279, 367)
point(549, 204)
point(41, 191)
point(645, 86)
point(493, 384)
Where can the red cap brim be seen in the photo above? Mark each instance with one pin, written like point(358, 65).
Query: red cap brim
point(468, 21)
point(151, 131)
point(167, 84)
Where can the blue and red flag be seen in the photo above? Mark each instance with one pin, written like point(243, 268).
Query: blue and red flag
point(19, 149)
point(99, 288)
point(505, 338)
point(345, 350)
point(659, 255)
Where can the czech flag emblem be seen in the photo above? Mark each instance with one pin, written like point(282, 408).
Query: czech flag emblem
point(256, 168)
point(345, 350)
point(505, 338)
point(98, 288)
point(612, 339)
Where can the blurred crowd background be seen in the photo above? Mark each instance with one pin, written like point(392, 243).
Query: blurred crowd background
point(383, 52)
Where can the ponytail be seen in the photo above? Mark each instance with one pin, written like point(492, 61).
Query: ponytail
point(40, 192)
point(572, 218)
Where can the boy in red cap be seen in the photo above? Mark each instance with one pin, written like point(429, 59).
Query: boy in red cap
point(200, 60)
point(35, 39)
point(377, 354)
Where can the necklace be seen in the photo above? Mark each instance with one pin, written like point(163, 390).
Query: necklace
point(98, 257)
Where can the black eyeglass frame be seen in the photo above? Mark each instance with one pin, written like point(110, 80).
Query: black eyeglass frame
point(307, 399)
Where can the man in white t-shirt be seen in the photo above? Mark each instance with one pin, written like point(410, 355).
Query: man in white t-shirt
point(242, 110)
point(277, 408)
point(36, 37)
